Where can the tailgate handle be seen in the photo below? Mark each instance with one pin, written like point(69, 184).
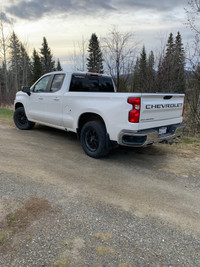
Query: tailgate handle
point(167, 97)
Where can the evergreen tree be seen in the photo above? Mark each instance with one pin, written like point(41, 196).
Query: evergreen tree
point(171, 73)
point(95, 60)
point(179, 72)
point(136, 77)
point(48, 64)
point(170, 47)
point(143, 70)
point(144, 73)
point(160, 74)
point(168, 65)
point(36, 66)
point(25, 66)
point(58, 67)
point(14, 47)
point(151, 73)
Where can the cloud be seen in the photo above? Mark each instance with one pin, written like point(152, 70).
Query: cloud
point(35, 9)
point(4, 18)
point(153, 5)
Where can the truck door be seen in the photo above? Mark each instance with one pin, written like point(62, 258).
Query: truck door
point(45, 102)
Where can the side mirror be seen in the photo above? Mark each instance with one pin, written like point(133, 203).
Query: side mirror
point(26, 90)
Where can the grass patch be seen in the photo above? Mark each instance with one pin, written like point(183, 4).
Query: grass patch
point(187, 145)
point(103, 236)
point(4, 235)
point(65, 262)
point(6, 114)
point(122, 265)
point(103, 251)
point(11, 218)
point(189, 140)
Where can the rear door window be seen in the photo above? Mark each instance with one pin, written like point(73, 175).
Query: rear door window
point(57, 82)
point(79, 83)
point(106, 85)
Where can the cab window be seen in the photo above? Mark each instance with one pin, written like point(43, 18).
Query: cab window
point(91, 83)
point(43, 85)
point(79, 83)
point(106, 85)
point(57, 82)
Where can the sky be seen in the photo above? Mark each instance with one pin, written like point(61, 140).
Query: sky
point(66, 23)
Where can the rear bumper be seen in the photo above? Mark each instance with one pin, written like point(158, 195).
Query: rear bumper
point(150, 136)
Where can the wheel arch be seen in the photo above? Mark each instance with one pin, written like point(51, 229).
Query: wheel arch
point(18, 105)
point(88, 116)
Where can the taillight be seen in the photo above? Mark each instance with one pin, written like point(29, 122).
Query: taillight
point(183, 107)
point(134, 114)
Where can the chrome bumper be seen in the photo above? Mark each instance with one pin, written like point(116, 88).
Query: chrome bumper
point(148, 137)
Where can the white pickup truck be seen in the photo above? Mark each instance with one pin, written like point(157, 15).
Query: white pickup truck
point(88, 104)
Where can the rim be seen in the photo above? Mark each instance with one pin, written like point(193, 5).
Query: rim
point(92, 140)
point(21, 118)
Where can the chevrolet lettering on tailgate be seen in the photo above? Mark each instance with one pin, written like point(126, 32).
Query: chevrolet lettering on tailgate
point(164, 106)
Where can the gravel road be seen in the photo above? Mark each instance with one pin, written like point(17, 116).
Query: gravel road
point(58, 207)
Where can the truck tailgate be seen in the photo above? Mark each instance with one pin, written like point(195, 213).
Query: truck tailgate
point(160, 107)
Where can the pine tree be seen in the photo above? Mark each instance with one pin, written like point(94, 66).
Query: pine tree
point(143, 70)
point(25, 66)
point(15, 59)
point(144, 73)
point(58, 67)
point(179, 71)
point(95, 60)
point(171, 73)
point(151, 73)
point(168, 65)
point(160, 74)
point(170, 46)
point(48, 64)
point(36, 66)
point(136, 76)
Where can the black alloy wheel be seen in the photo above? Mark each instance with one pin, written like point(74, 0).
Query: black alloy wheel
point(93, 139)
point(21, 120)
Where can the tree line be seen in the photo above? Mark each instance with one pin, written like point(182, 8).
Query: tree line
point(140, 74)
point(18, 68)
point(118, 58)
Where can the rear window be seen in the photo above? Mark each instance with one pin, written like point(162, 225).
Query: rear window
point(91, 83)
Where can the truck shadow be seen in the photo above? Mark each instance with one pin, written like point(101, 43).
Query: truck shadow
point(56, 132)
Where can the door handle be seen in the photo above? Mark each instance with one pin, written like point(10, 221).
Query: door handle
point(40, 98)
point(56, 99)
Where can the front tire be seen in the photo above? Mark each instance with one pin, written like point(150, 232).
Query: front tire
point(21, 120)
point(93, 139)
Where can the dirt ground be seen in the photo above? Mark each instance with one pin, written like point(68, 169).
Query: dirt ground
point(160, 182)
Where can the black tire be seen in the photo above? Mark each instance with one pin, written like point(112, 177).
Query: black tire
point(93, 139)
point(21, 120)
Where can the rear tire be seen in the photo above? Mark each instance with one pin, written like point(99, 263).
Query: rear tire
point(21, 120)
point(93, 139)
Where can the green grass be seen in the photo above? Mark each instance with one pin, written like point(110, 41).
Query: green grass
point(2, 236)
point(6, 114)
point(11, 218)
point(65, 262)
point(189, 140)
